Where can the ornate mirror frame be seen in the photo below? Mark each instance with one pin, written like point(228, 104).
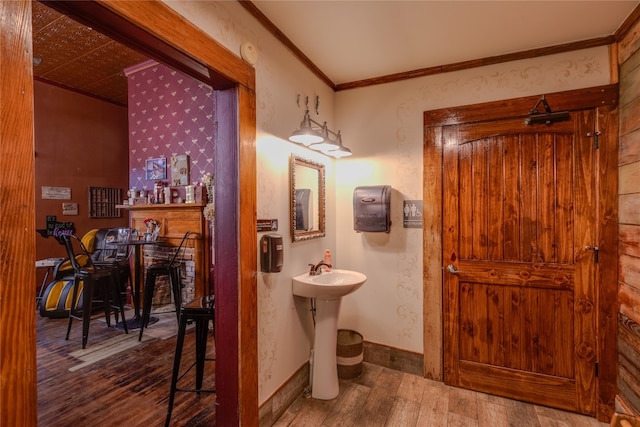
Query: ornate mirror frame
point(318, 200)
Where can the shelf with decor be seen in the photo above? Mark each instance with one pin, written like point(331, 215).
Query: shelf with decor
point(161, 206)
point(102, 202)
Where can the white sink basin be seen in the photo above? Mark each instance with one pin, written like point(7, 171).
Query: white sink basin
point(327, 288)
point(328, 285)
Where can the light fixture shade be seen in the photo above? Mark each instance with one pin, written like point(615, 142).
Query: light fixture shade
point(340, 150)
point(306, 135)
point(327, 144)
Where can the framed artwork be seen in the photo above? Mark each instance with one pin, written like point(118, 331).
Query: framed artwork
point(156, 169)
point(180, 170)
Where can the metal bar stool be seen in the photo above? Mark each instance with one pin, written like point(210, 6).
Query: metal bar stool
point(169, 268)
point(200, 311)
point(91, 276)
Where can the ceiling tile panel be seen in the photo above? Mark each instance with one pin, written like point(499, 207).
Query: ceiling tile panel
point(77, 57)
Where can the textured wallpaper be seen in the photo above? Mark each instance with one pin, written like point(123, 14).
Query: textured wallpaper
point(169, 114)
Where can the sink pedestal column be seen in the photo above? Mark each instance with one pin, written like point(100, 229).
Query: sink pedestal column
point(325, 364)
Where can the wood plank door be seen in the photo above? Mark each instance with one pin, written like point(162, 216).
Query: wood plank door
point(519, 208)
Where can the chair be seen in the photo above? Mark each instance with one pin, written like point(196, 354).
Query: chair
point(111, 250)
point(169, 268)
point(55, 298)
point(64, 268)
point(201, 311)
point(86, 277)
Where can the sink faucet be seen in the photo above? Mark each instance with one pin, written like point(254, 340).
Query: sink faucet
point(315, 270)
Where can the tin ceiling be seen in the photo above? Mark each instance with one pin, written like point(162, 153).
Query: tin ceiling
point(72, 55)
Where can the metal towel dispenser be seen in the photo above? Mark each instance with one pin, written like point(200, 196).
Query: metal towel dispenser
point(372, 208)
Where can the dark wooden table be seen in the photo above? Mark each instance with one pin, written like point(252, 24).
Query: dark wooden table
point(138, 263)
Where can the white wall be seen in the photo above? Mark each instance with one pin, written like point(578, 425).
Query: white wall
point(383, 127)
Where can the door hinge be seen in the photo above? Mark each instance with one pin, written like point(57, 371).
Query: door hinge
point(595, 252)
point(596, 369)
point(596, 139)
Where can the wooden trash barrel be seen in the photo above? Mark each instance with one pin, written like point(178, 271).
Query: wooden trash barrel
point(350, 353)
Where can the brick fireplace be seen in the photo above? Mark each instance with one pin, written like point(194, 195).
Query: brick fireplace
point(161, 253)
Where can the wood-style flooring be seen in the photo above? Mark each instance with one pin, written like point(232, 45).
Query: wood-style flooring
point(131, 388)
point(386, 397)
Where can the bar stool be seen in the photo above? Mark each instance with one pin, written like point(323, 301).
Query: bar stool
point(169, 268)
point(91, 276)
point(200, 311)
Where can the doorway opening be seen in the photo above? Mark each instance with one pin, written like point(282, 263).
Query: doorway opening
point(236, 130)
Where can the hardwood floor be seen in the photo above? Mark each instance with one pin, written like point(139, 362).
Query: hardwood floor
point(385, 397)
point(132, 387)
point(129, 388)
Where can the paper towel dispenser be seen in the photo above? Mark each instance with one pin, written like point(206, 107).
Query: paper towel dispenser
point(372, 208)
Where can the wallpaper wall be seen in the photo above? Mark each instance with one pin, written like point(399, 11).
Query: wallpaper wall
point(169, 114)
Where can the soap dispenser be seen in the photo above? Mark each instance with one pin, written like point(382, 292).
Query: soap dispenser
point(327, 260)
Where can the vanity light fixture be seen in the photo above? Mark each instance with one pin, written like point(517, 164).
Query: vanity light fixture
point(318, 137)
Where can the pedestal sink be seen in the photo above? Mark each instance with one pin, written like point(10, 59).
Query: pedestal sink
point(327, 288)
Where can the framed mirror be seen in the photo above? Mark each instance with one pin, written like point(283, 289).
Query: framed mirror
point(307, 199)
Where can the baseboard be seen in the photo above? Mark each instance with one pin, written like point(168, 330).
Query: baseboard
point(283, 397)
point(394, 358)
point(620, 420)
point(624, 408)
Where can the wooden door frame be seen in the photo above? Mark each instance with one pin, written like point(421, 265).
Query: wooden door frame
point(604, 99)
point(156, 30)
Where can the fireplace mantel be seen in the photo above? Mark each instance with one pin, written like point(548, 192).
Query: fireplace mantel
point(176, 220)
point(162, 206)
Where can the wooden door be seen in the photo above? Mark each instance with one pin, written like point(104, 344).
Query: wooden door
point(518, 222)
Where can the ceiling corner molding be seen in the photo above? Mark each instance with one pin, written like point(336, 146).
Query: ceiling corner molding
point(79, 91)
point(628, 23)
point(139, 67)
point(275, 31)
point(481, 62)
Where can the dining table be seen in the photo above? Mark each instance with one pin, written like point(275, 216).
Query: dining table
point(138, 265)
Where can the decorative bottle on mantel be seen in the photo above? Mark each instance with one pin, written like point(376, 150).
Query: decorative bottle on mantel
point(158, 190)
point(190, 194)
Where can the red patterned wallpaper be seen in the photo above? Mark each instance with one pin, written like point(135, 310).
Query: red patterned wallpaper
point(169, 114)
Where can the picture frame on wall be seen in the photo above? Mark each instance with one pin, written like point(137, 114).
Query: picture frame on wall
point(156, 169)
point(180, 169)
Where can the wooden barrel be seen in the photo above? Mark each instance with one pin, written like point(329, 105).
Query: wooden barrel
point(350, 353)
